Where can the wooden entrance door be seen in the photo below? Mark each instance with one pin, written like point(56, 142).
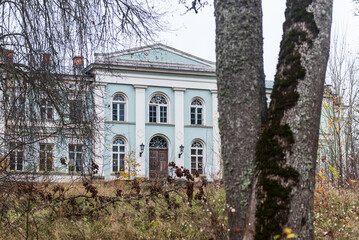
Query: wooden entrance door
point(158, 163)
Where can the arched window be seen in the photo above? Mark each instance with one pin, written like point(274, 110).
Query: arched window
point(197, 156)
point(158, 142)
point(196, 112)
point(118, 154)
point(118, 107)
point(158, 109)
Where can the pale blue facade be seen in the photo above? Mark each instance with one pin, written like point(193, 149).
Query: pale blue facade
point(180, 78)
point(156, 103)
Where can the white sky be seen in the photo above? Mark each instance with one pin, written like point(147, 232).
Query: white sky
point(195, 33)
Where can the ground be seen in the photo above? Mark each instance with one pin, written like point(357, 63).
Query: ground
point(143, 210)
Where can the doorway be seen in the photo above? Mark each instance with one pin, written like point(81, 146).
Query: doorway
point(158, 158)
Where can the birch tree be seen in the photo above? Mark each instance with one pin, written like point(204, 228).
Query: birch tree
point(339, 130)
point(269, 172)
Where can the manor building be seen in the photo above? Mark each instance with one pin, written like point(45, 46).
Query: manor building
point(145, 107)
point(159, 103)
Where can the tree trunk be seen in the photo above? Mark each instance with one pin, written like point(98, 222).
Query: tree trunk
point(287, 149)
point(241, 96)
point(282, 191)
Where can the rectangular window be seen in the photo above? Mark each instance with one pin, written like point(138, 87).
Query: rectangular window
point(193, 116)
point(122, 162)
point(114, 112)
point(18, 107)
point(118, 112)
point(115, 162)
point(46, 157)
point(152, 114)
point(122, 112)
point(46, 110)
point(76, 111)
point(200, 165)
point(193, 164)
point(199, 116)
point(163, 114)
point(118, 161)
point(75, 158)
point(16, 157)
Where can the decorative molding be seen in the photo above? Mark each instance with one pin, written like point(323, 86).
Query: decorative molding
point(178, 89)
point(139, 86)
point(179, 135)
point(140, 133)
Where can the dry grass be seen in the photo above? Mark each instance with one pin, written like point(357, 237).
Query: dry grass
point(131, 216)
point(157, 216)
point(337, 213)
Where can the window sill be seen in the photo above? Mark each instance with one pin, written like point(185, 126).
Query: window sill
point(161, 124)
point(52, 173)
point(46, 120)
point(120, 122)
point(199, 126)
point(17, 171)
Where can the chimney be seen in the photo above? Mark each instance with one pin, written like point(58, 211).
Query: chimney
point(46, 59)
point(78, 64)
point(6, 55)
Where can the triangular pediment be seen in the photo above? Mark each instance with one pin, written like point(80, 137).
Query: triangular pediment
point(159, 54)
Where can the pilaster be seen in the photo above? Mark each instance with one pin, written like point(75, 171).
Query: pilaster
point(99, 136)
point(141, 128)
point(179, 125)
point(217, 160)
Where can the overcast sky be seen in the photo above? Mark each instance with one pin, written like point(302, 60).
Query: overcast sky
point(195, 33)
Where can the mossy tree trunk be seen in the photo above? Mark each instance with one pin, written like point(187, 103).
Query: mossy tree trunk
point(270, 179)
point(242, 103)
point(287, 149)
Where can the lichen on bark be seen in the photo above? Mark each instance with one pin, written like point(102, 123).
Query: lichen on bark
point(239, 50)
point(277, 179)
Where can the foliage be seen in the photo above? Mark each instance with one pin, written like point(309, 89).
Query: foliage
point(336, 210)
point(130, 167)
point(181, 207)
point(150, 210)
point(339, 119)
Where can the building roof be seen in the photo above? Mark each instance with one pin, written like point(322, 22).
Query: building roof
point(157, 56)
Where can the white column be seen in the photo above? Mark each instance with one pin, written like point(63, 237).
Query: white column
point(216, 170)
point(141, 128)
point(99, 140)
point(179, 125)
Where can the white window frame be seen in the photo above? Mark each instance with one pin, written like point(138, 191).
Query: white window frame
point(52, 156)
point(118, 152)
point(203, 107)
point(46, 106)
point(196, 155)
point(14, 150)
point(73, 162)
point(158, 108)
point(125, 103)
point(18, 101)
point(82, 110)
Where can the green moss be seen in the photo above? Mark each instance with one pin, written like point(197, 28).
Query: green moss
point(276, 180)
point(303, 221)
